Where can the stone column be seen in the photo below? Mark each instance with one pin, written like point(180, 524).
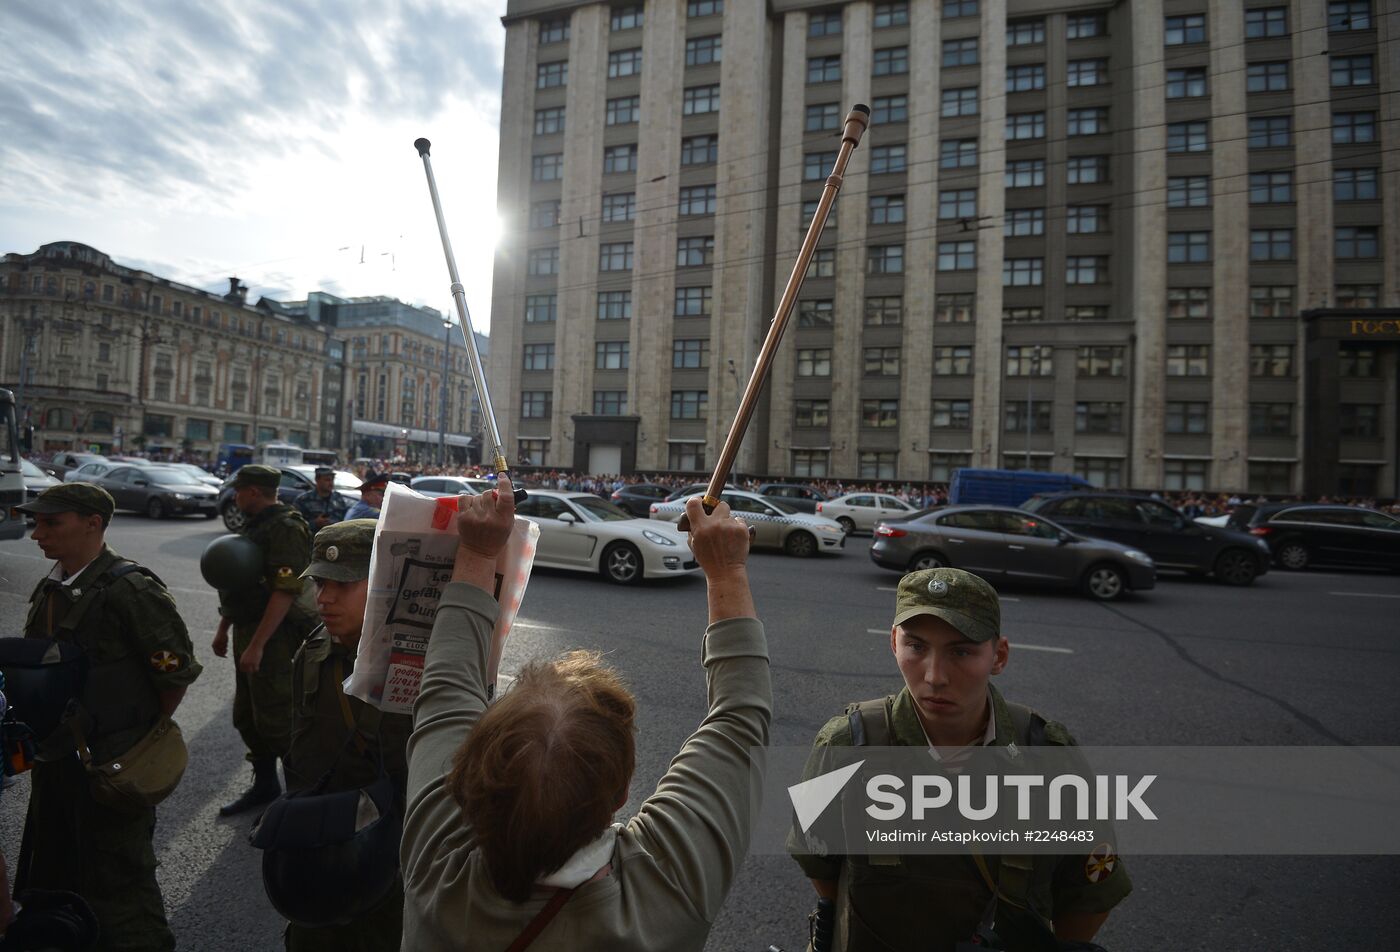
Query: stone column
point(991, 196)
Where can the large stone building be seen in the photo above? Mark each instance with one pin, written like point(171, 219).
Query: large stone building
point(100, 355)
point(1078, 237)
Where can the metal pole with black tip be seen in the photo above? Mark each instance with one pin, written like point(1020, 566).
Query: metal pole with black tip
point(464, 317)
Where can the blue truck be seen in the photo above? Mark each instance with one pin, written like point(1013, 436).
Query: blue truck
point(1007, 487)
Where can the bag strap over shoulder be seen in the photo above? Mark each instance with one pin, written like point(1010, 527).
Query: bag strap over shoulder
point(542, 919)
point(870, 722)
point(1027, 726)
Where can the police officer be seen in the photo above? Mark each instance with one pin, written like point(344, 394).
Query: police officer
point(371, 496)
point(269, 621)
point(322, 506)
point(946, 638)
point(139, 663)
point(339, 736)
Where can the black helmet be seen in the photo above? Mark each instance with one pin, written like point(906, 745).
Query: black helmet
point(41, 677)
point(231, 563)
point(329, 857)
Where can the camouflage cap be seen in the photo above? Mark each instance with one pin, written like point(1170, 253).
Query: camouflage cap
point(256, 474)
point(82, 498)
point(960, 598)
point(340, 552)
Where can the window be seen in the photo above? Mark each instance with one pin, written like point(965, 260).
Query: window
point(620, 158)
point(809, 463)
point(1271, 244)
point(703, 50)
point(1085, 25)
point(693, 302)
point(953, 361)
point(1086, 269)
point(1188, 247)
point(614, 305)
point(809, 213)
point(698, 200)
point(620, 207)
point(1023, 315)
point(1186, 83)
point(1025, 173)
point(1100, 360)
point(958, 154)
point(1188, 360)
point(698, 100)
point(824, 24)
point(811, 413)
point(959, 8)
point(532, 451)
point(1188, 303)
point(1265, 22)
point(823, 69)
point(539, 357)
point(1025, 125)
point(1025, 32)
point(615, 256)
point(1086, 169)
point(1035, 360)
point(541, 309)
point(1354, 185)
point(823, 264)
point(879, 414)
point(690, 354)
point(1188, 136)
point(1029, 416)
point(543, 261)
point(959, 102)
point(954, 308)
point(824, 117)
point(1022, 272)
point(1354, 361)
point(689, 404)
point(536, 404)
point(884, 311)
point(957, 255)
point(695, 252)
point(549, 75)
point(887, 158)
point(1353, 71)
point(892, 14)
point(1181, 475)
point(960, 52)
point(1188, 191)
point(1020, 79)
point(887, 209)
point(893, 61)
point(1358, 295)
point(952, 415)
point(1098, 417)
point(1349, 15)
point(1185, 29)
point(549, 121)
point(1270, 132)
point(609, 402)
point(624, 63)
point(1351, 128)
point(881, 361)
point(815, 165)
point(624, 110)
point(1266, 77)
point(957, 203)
point(1086, 72)
point(884, 259)
point(1268, 188)
point(626, 18)
point(814, 362)
point(700, 150)
point(1353, 241)
point(887, 109)
point(1187, 417)
point(877, 465)
point(611, 355)
point(1359, 420)
point(1024, 222)
point(1086, 122)
point(1271, 419)
point(547, 168)
point(1271, 301)
point(544, 214)
point(815, 313)
point(554, 31)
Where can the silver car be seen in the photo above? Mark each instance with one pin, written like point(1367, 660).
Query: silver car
point(1002, 544)
point(446, 486)
point(579, 531)
point(775, 524)
point(859, 512)
point(158, 491)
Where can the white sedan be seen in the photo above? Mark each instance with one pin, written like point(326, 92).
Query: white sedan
point(583, 532)
point(775, 524)
point(861, 511)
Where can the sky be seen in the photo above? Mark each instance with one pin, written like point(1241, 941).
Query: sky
point(199, 139)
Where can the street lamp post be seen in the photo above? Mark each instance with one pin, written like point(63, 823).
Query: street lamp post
point(442, 415)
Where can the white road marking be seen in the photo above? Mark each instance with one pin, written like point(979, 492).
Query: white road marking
point(1363, 595)
point(531, 626)
point(1014, 644)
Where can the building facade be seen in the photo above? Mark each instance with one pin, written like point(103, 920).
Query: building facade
point(1077, 237)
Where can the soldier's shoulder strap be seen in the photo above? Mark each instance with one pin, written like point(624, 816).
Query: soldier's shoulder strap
point(119, 569)
point(870, 722)
point(1028, 727)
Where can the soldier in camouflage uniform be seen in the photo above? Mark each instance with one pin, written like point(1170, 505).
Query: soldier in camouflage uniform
point(342, 738)
point(269, 622)
point(140, 662)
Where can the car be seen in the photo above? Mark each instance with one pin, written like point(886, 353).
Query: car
point(694, 489)
point(799, 497)
point(405, 479)
point(1004, 544)
point(63, 462)
point(444, 486)
point(196, 472)
point(35, 479)
point(637, 498)
point(158, 491)
point(295, 481)
point(88, 471)
point(1174, 542)
point(775, 524)
point(859, 512)
point(1302, 535)
point(584, 533)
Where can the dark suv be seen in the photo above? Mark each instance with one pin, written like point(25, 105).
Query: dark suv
point(1301, 535)
point(799, 497)
point(1173, 541)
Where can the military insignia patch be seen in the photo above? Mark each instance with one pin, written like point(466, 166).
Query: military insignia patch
point(284, 572)
point(165, 661)
point(332, 553)
point(1099, 865)
point(937, 588)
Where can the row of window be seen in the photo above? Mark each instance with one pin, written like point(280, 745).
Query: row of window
point(686, 354)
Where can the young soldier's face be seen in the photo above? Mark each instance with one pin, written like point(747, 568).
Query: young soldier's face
point(342, 608)
point(62, 534)
point(946, 672)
